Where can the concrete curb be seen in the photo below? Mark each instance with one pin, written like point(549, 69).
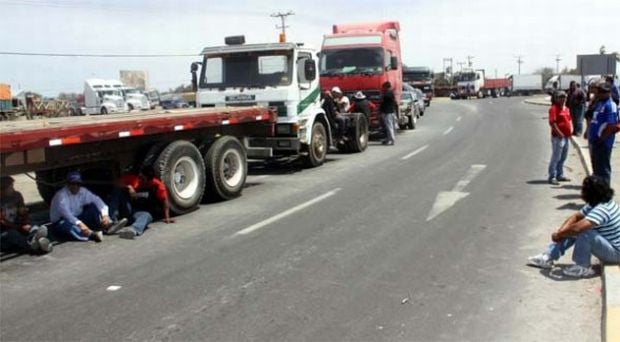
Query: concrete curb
point(585, 161)
point(540, 101)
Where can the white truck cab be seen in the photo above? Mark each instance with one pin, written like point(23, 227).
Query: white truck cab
point(278, 75)
point(101, 97)
point(470, 83)
point(134, 98)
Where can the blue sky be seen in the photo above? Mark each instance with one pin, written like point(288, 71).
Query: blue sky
point(495, 32)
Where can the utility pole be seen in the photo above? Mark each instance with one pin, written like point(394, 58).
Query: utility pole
point(444, 65)
point(469, 58)
point(460, 64)
point(557, 64)
point(519, 62)
point(283, 27)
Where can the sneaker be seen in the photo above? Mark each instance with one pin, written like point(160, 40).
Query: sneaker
point(97, 236)
point(563, 179)
point(541, 260)
point(553, 181)
point(127, 233)
point(37, 233)
point(578, 271)
point(116, 226)
point(45, 245)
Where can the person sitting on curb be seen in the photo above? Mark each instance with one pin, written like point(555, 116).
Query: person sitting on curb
point(15, 228)
point(561, 130)
point(594, 230)
point(75, 212)
point(146, 198)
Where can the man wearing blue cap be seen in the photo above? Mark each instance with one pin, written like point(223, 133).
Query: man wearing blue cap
point(78, 214)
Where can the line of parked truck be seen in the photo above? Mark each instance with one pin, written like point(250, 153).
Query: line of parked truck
point(259, 101)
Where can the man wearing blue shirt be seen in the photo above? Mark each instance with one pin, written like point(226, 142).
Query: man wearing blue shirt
point(601, 131)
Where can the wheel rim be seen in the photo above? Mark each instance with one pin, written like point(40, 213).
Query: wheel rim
point(232, 168)
point(185, 178)
point(318, 144)
point(362, 138)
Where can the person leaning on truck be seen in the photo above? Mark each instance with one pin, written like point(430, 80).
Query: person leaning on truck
point(75, 212)
point(15, 228)
point(388, 109)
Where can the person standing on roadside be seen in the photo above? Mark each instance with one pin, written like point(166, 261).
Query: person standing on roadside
point(561, 130)
point(388, 110)
point(615, 92)
point(602, 128)
point(576, 102)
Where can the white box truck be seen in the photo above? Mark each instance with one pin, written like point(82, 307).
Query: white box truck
point(525, 84)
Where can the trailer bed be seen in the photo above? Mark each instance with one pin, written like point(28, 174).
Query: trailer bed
point(28, 134)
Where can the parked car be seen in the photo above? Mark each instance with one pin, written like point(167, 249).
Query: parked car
point(420, 100)
point(154, 98)
point(409, 107)
point(173, 103)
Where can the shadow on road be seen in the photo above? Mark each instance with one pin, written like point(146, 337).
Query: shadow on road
point(538, 182)
point(568, 197)
point(556, 273)
point(570, 206)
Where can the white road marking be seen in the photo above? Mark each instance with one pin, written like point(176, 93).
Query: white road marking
point(446, 199)
point(415, 152)
point(447, 131)
point(286, 213)
point(458, 119)
point(113, 288)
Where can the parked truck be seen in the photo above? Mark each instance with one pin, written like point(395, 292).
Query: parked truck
point(470, 83)
point(102, 97)
point(421, 78)
point(195, 152)
point(361, 57)
point(496, 87)
point(281, 76)
point(525, 84)
point(564, 81)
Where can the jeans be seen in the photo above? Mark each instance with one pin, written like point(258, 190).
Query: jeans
point(140, 221)
point(557, 249)
point(577, 113)
point(591, 242)
point(341, 126)
point(388, 124)
point(559, 152)
point(120, 205)
point(600, 155)
point(12, 238)
point(90, 216)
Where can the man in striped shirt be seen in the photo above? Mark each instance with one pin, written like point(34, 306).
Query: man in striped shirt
point(594, 230)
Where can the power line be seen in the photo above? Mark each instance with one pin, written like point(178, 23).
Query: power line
point(48, 54)
point(282, 17)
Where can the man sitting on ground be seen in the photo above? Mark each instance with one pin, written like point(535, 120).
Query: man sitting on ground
point(594, 230)
point(16, 230)
point(78, 214)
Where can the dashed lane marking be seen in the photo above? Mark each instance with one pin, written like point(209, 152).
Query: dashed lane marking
point(447, 131)
point(415, 152)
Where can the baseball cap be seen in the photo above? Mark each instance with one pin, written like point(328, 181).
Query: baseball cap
point(336, 90)
point(560, 93)
point(74, 177)
point(603, 87)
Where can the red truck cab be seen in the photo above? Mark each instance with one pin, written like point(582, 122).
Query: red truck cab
point(361, 57)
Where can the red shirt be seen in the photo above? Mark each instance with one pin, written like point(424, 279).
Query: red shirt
point(138, 184)
point(561, 117)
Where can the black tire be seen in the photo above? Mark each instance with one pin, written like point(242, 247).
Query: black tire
point(358, 141)
point(227, 168)
point(317, 150)
point(129, 107)
point(104, 110)
point(412, 121)
point(48, 182)
point(181, 168)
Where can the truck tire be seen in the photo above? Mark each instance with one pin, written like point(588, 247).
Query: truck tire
point(317, 150)
point(181, 168)
point(104, 110)
point(357, 134)
point(129, 107)
point(48, 182)
point(227, 168)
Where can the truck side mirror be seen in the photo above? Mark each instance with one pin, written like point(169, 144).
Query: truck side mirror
point(393, 63)
point(193, 70)
point(309, 70)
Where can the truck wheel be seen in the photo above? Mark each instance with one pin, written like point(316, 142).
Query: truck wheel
point(412, 121)
point(358, 139)
point(317, 151)
point(104, 110)
point(181, 168)
point(129, 107)
point(49, 181)
point(227, 167)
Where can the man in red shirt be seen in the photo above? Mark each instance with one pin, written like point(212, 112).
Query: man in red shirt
point(147, 201)
point(561, 130)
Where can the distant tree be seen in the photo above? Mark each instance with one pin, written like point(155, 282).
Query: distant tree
point(567, 71)
point(181, 89)
point(546, 73)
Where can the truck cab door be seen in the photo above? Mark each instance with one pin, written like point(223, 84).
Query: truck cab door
point(307, 81)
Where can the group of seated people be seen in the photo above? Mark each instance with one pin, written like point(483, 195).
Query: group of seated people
point(336, 104)
point(77, 214)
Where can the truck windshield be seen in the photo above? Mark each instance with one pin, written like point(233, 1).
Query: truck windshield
point(466, 77)
point(352, 61)
point(416, 76)
point(102, 93)
point(247, 69)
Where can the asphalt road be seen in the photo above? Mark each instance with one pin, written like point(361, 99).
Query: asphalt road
point(422, 241)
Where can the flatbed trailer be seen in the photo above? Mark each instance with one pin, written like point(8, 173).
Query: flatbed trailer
point(195, 152)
